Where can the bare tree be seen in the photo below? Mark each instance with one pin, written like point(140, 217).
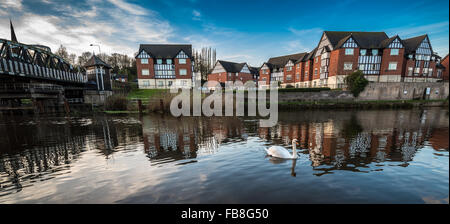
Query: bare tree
point(204, 61)
point(62, 52)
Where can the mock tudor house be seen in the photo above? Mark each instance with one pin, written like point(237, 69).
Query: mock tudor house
point(225, 71)
point(338, 54)
point(161, 66)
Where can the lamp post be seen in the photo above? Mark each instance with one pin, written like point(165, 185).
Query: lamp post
point(99, 51)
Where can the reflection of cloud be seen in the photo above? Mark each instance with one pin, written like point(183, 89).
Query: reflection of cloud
point(432, 200)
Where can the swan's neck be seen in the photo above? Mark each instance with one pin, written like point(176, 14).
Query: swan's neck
point(294, 150)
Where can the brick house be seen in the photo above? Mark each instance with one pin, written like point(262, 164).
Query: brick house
point(224, 71)
point(444, 69)
point(340, 53)
point(161, 66)
point(281, 69)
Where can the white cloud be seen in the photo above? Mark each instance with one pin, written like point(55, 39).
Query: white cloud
point(196, 15)
point(11, 4)
point(119, 27)
point(130, 8)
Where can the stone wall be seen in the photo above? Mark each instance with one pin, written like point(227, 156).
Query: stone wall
point(315, 96)
point(405, 91)
point(375, 91)
point(96, 97)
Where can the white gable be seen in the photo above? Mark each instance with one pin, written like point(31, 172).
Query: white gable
point(218, 69)
point(143, 54)
point(182, 55)
point(245, 69)
point(290, 63)
point(396, 44)
point(325, 42)
point(350, 43)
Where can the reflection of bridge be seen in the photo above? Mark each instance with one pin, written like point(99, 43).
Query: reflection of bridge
point(34, 72)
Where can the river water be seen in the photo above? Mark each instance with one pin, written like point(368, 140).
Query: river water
point(373, 156)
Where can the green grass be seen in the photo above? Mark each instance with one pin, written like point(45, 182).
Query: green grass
point(146, 93)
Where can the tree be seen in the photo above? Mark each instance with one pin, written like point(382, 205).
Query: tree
point(356, 82)
point(62, 52)
point(204, 61)
point(72, 58)
point(83, 58)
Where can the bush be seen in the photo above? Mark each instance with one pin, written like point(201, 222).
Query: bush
point(356, 82)
point(289, 86)
point(116, 102)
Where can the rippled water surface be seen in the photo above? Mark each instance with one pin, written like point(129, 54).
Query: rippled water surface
point(390, 156)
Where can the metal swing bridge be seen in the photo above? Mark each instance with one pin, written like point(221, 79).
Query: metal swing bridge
point(32, 71)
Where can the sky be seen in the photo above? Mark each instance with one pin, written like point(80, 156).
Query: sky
point(241, 31)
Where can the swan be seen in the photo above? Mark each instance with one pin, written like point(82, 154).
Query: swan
point(281, 152)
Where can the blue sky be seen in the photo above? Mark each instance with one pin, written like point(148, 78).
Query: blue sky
point(241, 31)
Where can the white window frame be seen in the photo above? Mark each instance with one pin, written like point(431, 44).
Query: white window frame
point(348, 50)
point(391, 66)
point(182, 69)
point(145, 73)
point(395, 51)
point(346, 66)
point(144, 61)
point(182, 61)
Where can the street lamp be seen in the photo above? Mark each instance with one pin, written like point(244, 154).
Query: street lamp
point(99, 51)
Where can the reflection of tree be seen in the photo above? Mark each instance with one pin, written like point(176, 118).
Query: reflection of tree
point(360, 145)
point(351, 128)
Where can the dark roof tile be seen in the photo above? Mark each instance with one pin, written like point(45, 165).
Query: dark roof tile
point(166, 50)
point(94, 60)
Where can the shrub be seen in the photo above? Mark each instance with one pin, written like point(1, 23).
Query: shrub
point(116, 102)
point(289, 86)
point(356, 82)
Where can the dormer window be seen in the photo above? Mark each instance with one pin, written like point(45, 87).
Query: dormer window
point(169, 61)
point(375, 52)
point(159, 61)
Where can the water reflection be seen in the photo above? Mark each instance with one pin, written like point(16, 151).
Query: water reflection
point(38, 149)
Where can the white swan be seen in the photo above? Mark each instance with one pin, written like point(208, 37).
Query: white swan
point(281, 152)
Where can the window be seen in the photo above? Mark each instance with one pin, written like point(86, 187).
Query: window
point(348, 51)
point(394, 51)
point(146, 83)
point(392, 65)
point(348, 66)
point(430, 72)
point(316, 59)
point(289, 77)
point(307, 64)
point(169, 61)
point(363, 52)
point(160, 83)
point(374, 52)
point(264, 79)
point(169, 83)
point(182, 61)
point(158, 61)
point(183, 72)
point(145, 72)
point(410, 71)
point(315, 71)
point(183, 83)
point(144, 61)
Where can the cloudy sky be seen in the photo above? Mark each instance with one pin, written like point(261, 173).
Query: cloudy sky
point(241, 31)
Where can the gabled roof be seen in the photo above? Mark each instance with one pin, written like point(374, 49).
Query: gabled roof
point(232, 66)
point(309, 55)
point(94, 60)
point(165, 50)
point(413, 43)
point(385, 43)
point(363, 39)
point(254, 70)
point(281, 61)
